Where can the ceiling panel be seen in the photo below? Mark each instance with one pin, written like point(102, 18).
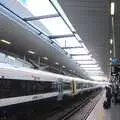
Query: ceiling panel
point(91, 20)
point(23, 38)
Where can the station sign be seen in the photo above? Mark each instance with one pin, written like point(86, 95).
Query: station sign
point(115, 61)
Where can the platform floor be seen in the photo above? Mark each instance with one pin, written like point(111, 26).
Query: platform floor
point(99, 113)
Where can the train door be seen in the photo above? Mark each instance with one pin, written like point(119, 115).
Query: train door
point(60, 89)
point(73, 86)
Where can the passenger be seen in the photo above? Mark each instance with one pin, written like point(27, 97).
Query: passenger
point(116, 92)
point(108, 94)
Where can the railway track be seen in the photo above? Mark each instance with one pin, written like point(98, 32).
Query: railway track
point(63, 110)
point(88, 103)
point(83, 109)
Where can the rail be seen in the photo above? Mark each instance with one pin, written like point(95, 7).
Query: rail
point(67, 113)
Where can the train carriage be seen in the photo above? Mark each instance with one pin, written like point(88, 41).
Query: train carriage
point(19, 85)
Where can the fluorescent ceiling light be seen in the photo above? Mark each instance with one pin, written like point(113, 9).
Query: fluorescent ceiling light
point(110, 59)
point(92, 68)
point(111, 41)
point(110, 51)
point(112, 10)
point(45, 58)
point(89, 66)
point(63, 66)
point(5, 41)
point(82, 57)
point(86, 62)
point(94, 71)
point(67, 42)
point(31, 52)
point(76, 51)
point(78, 37)
point(57, 63)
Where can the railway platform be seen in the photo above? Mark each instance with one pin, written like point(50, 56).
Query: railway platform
point(99, 113)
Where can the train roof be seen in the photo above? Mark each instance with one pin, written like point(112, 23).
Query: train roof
point(37, 72)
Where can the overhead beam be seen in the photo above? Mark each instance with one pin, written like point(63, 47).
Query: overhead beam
point(56, 8)
point(40, 17)
point(60, 36)
point(71, 47)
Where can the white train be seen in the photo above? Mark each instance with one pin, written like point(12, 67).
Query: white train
point(19, 85)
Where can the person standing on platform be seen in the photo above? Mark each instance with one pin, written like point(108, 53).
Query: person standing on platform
point(116, 93)
point(108, 94)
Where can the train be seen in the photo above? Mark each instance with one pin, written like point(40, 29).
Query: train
point(20, 85)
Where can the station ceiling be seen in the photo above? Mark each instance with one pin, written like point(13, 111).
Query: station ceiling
point(90, 18)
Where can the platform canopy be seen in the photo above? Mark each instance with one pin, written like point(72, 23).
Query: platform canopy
point(80, 28)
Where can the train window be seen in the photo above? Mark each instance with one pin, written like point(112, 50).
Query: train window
point(15, 88)
point(4, 87)
point(66, 86)
point(79, 85)
point(54, 85)
point(84, 85)
point(60, 85)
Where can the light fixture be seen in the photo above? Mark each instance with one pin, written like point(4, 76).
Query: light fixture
point(6, 42)
point(111, 41)
point(57, 63)
point(82, 57)
point(110, 59)
point(92, 68)
point(110, 51)
point(89, 66)
point(63, 66)
point(79, 51)
point(45, 58)
point(82, 62)
point(78, 37)
point(31, 52)
point(112, 9)
point(94, 71)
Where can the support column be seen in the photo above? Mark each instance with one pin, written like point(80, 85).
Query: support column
point(113, 36)
point(39, 61)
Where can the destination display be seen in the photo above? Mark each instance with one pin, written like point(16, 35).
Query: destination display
point(115, 61)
